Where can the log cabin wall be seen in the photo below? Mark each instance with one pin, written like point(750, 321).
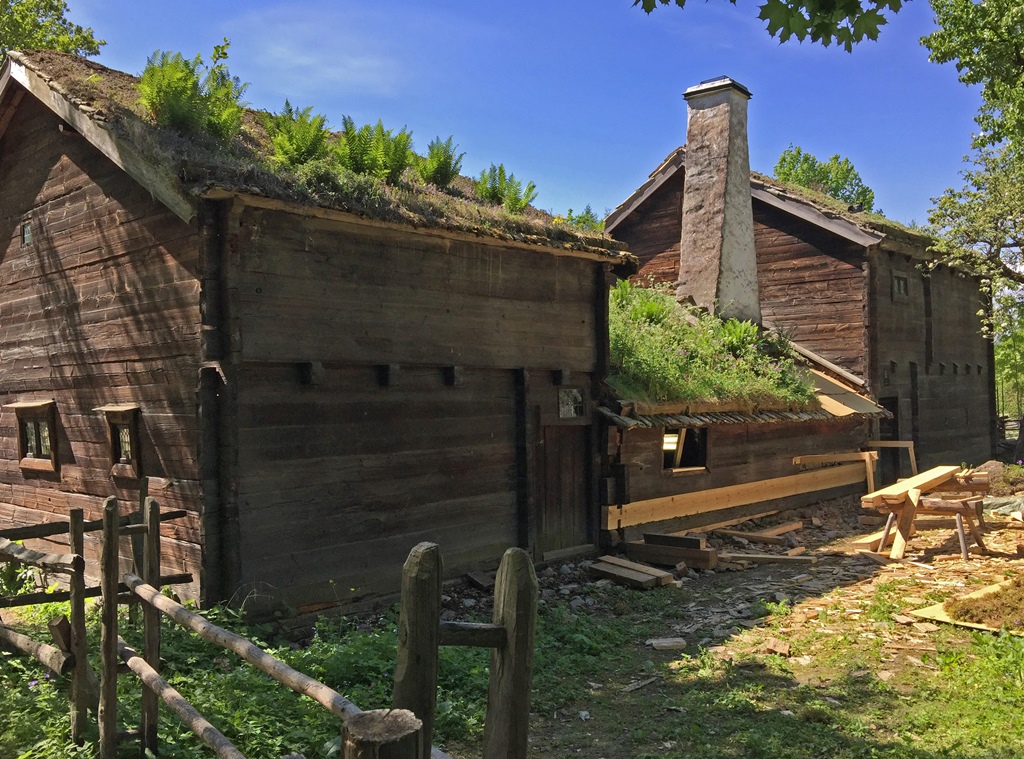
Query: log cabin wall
point(812, 286)
point(653, 232)
point(381, 398)
point(932, 364)
point(736, 454)
point(100, 306)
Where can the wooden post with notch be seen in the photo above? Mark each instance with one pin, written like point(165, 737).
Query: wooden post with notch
point(109, 577)
point(507, 724)
point(382, 734)
point(419, 624)
point(905, 523)
point(151, 622)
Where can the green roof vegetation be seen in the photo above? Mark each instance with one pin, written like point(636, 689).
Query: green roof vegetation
point(281, 155)
point(663, 352)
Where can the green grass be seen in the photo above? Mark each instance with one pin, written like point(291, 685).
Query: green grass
point(964, 701)
point(661, 352)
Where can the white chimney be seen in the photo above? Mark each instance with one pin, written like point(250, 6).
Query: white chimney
point(717, 261)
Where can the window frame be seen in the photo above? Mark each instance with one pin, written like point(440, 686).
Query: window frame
point(701, 435)
point(123, 416)
point(900, 286)
point(40, 415)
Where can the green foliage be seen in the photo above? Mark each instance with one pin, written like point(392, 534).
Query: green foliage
point(374, 150)
point(983, 39)
point(501, 188)
point(185, 95)
point(297, 135)
point(15, 578)
point(442, 163)
point(844, 22)
point(835, 177)
point(586, 220)
point(41, 24)
point(661, 352)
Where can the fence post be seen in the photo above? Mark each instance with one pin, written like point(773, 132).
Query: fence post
point(109, 577)
point(151, 621)
point(79, 647)
point(507, 725)
point(419, 629)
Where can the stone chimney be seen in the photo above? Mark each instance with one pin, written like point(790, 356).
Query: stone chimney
point(717, 262)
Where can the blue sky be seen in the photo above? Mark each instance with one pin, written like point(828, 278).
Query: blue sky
point(581, 96)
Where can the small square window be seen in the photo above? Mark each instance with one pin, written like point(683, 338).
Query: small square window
point(123, 436)
point(37, 439)
point(900, 286)
point(26, 234)
point(685, 449)
point(571, 403)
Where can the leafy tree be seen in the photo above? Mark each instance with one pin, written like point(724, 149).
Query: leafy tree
point(586, 220)
point(835, 177)
point(32, 24)
point(298, 136)
point(984, 40)
point(843, 22)
point(981, 225)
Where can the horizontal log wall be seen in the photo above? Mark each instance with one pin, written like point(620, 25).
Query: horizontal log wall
point(953, 416)
point(812, 285)
point(101, 307)
point(653, 232)
point(736, 453)
point(338, 481)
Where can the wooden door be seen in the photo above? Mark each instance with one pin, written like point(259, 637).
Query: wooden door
point(564, 519)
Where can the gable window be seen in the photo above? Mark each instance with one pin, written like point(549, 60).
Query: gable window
point(26, 234)
point(37, 438)
point(571, 403)
point(123, 437)
point(685, 449)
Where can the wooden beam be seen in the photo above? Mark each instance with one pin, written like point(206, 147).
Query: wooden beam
point(923, 482)
point(763, 558)
point(663, 577)
point(630, 577)
point(774, 540)
point(904, 524)
point(782, 529)
point(834, 458)
point(65, 563)
point(680, 541)
point(703, 558)
point(908, 445)
point(716, 499)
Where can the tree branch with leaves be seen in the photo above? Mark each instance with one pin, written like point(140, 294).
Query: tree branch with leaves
point(43, 24)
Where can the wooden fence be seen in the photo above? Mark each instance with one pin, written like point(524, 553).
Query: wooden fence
point(404, 731)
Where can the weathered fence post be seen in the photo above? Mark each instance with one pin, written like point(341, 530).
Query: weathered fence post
point(151, 621)
point(506, 729)
point(419, 624)
point(383, 734)
point(109, 579)
point(79, 647)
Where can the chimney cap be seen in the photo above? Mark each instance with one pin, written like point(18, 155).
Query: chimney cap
point(714, 85)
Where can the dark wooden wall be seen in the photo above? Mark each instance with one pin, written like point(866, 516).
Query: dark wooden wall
point(812, 285)
point(736, 454)
point(101, 308)
point(338, 479)
point(653, 232)
point(932, 361)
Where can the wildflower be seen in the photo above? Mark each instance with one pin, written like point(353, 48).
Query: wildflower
point(33, 683)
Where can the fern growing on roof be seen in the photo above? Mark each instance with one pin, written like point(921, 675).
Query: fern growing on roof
point(374, 150)
point(297, 135)
point(441, 165)
point(497, 186)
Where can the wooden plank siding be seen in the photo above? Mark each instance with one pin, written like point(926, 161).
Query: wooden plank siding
point(932, 359)
point(812, 286)
point(653, 232)
point(101, 307)
point(736, 454)
point(338, 479)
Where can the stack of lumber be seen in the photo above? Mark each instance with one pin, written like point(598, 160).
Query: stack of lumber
point(678, 551)
point(630, 573)
point(773, 536)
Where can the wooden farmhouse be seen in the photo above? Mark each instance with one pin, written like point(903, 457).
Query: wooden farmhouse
point(857, 290)
point(320, 389)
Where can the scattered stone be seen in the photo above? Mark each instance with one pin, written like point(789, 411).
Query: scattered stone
point(564, 592)
point(565, 570)
point(885, 675)
point(902, 619)
point(548, 572)
point(804, 660)
point(925, 627)
point(576, 603)
point(666, 644)
point(584, 716)
point(815, 522)
point(469, 603)
point(786, 713)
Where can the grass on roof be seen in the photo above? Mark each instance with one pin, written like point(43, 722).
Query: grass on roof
point(662, 352)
